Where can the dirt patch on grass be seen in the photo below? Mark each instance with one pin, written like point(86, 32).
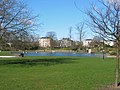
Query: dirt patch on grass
point(109, 87)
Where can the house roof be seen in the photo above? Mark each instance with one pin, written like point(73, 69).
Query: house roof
point(88, 39)
point(45, 38)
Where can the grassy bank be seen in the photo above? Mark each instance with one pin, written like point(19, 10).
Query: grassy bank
point(55, 73)
point(5, 53)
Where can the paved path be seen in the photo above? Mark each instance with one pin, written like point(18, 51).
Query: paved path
point(7, 56)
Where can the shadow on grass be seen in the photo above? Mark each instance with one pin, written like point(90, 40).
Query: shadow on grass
point(41, 61)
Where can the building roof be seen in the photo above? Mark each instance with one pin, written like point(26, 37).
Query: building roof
point(88, 39)
point(45, 38)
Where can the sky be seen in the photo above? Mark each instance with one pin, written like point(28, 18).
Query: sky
point(60, 15)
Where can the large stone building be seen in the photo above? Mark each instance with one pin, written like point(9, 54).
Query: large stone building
point(66, 42)
point(45, 42)
point(87, 42)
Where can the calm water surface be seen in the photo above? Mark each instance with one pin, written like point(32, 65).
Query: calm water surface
point(60, 54)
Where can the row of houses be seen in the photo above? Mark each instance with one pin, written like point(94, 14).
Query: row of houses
point(66, 42)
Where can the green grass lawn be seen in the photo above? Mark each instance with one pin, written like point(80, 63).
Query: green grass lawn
point(56, 73)
point(5, 53)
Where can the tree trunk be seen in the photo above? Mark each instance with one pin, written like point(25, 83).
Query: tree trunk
point(117, 67)
point(103, 50)
point(103, 57)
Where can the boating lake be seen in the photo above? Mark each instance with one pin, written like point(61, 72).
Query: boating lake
point(61, 54)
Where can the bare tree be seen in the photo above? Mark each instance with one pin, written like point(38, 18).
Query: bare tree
point(51, 35)
point(15, 17)
point(105, 20)
point(81, 32)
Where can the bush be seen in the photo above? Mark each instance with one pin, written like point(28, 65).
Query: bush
point(112, 53)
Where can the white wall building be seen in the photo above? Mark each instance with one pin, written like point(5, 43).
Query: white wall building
point(45, 42)
point(65, 42)
point(87, 42)
point(110, 43)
